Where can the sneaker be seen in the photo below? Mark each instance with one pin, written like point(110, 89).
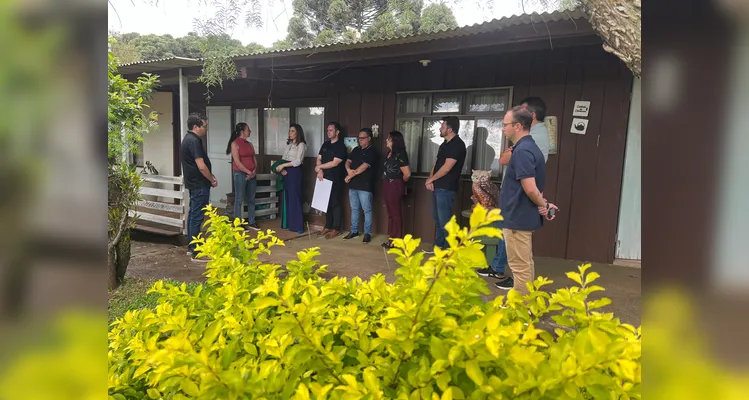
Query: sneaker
point(300, 231)
point(254, 226)
point(323, 232)
point(350, 235)
point(195, 258)
point(505, 284)
point(387, 245)
point(332, 234)
point(367, 238)
point(489, 273)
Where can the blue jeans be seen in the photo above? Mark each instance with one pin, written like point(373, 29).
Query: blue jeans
point(499, 263)
point(198, 200)
point(244, 190)
point(442, 211)
point(360, 199)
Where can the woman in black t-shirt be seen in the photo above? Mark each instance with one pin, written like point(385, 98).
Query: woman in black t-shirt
point(396, 173)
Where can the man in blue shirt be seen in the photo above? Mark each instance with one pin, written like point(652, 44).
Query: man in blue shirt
point(521, 200)
point(540, 135)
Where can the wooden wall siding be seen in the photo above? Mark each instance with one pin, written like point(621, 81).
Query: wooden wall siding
point(584, 178)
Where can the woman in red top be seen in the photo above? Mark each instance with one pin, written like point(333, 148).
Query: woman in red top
point(243, 166)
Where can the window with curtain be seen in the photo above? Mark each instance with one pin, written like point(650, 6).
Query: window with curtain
point(250, 117)
point(312, 120)
point(276, 122)
point(479, 102)
point(480, 113)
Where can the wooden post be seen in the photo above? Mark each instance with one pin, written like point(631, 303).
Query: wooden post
point(184, 110)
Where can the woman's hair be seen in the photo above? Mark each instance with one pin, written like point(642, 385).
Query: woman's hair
point(299, 134)
point(399, 144)
point(234, 135)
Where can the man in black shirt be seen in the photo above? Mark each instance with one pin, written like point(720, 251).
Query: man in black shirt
point(445, 176)
point(196, 170)
point(330, 166)
point(360, 167)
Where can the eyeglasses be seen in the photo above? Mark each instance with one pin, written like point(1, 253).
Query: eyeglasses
point(504, 125)
point(363, 137)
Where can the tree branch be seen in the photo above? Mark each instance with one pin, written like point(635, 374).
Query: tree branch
point(120, 230)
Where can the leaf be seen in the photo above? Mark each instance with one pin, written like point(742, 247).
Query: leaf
point(153, 393)
point(371, 381)
point(591, 277)
point(477, 216)
point(599, 339)
point(575, 277)
point(302, 393)
point(211, 333)
point(447, 395)
point(190, 388)
point(266, 302)
point(437, 348)
point(603, 302)
point(474, 372)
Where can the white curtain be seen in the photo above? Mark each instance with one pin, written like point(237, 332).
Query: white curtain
point(485, 102)
point(276, 130)
point(250, 117)
point(411, 130)
point(312, 120)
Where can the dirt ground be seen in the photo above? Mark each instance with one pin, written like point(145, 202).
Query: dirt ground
point(155, 257)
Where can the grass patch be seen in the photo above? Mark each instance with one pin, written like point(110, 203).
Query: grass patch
point(132, 295)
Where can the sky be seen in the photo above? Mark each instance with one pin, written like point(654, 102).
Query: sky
point(175, 17)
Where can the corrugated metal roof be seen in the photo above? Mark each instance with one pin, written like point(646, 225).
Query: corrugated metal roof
point(159, 65)
point(475, 29)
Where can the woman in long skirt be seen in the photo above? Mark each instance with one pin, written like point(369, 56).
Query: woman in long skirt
point(395, 175)
point(292, 182)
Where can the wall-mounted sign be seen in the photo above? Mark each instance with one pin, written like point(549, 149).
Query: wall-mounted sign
point(579, 126)
point(551, 127)
point(582, 108)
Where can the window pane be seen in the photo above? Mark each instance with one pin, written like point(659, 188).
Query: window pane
point(491, 143)
point(249, 116)
point(432, 140)
point(413, 104)
point(488, 101)
point(276, 122)
point(446, 103)
point(312, 120)
point(411, 130)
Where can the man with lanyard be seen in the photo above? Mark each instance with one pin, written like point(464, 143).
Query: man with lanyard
point(360, 167)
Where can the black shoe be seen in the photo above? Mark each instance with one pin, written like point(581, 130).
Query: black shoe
point(505, 284)
point(351, 235)
point(195, 258)
point(489, 273)
point(367, 238)
point(254, 226)
point(388, 245)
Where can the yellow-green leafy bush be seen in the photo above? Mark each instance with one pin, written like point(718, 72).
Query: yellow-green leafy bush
point(261, 331)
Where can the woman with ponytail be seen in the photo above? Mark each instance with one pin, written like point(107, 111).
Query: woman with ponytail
point(243, 168)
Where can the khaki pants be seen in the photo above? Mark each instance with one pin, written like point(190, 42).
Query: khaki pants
point(519, 246)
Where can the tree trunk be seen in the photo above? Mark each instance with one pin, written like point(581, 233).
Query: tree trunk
point(112, 267)
point(122, 256)
point(619, 25)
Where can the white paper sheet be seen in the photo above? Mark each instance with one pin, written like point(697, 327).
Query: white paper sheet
point(322, 194)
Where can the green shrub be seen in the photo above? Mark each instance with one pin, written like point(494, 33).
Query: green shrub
point(266, 332)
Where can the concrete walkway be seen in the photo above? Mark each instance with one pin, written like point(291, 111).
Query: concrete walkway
point(352, 258)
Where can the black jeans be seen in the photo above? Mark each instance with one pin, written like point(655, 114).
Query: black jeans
point(333, 216)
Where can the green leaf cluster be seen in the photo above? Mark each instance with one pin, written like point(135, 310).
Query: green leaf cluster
point(264, 331)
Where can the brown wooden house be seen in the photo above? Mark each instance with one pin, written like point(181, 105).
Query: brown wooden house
point(476, 72)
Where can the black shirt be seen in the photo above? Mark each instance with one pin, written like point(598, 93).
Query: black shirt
point(455, 149)
point(190, 149)
point(329, 151)
point(359, 156)
point(393, 164)
point(518, 210)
